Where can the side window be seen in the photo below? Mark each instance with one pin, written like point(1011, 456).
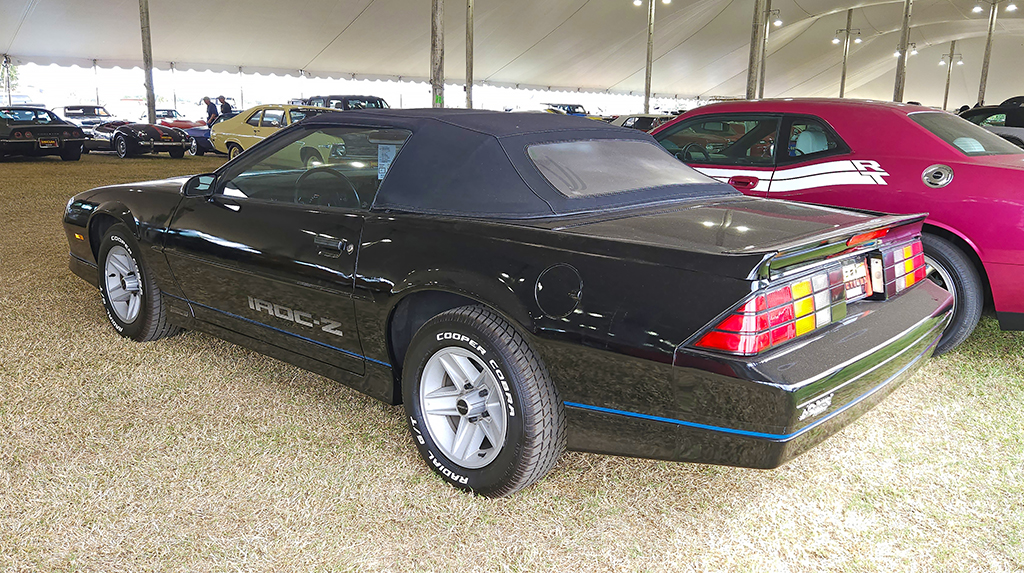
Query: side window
point(723, 140)
point(319, 102)
point(255, 119)
point(995, 120)
point(810, 138)
point(272, 118)
point(325, 166)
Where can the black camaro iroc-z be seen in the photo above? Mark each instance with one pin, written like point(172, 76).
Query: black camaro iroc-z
point(524, 283)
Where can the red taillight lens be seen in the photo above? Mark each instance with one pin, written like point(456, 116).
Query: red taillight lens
point(865, 237)
point(28, 133)
point(779, 315)
point(17, 135)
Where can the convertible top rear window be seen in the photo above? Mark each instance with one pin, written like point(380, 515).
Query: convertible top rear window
point(590, 168)
point(966, 137)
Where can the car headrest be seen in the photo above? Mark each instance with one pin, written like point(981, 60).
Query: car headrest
point(811, 141)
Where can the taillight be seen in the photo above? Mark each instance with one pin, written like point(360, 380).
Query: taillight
point(780, 314)
point(28, 133)
point(903, 267)
point(17, 135)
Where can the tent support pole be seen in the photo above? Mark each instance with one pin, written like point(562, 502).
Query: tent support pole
point(650, 55)
point(901, 62)
point(988, 53)
point(846, 52)
point(764, 47)
point(949, 74)
point(437, 54)
point(469, 54)
point(96, 80)
point(7, 76)
point(754, 62)
point(147, 59)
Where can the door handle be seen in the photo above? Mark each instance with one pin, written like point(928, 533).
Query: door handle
point(743, 182)
point(331, 247)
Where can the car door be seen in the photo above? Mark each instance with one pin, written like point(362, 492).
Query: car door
point(813, 163)
point(272, 253)
point(270, 123)
point(738, 149)
point(246, 132)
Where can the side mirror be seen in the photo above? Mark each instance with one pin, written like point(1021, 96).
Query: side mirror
point(200, 185)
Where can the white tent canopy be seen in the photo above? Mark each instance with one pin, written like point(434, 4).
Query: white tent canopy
point(700, 47)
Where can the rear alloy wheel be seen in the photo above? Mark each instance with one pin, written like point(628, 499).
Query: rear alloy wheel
point(194, 149)
point(133, 301)
point(233, 150)
point(122, 146)
point(948, 267)
point(481, 406)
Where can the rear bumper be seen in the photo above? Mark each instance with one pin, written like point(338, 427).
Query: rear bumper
point(761, 414)
point(159, 146)
point(32, 147)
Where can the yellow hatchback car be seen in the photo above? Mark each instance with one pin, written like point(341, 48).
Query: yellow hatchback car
point(255, 124)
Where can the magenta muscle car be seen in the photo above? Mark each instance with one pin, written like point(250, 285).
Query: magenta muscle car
point(887, 157)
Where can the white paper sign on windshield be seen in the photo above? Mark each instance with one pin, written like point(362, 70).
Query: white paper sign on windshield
point(385, 155)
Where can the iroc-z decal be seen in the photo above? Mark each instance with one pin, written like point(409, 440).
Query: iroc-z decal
point(297, 316)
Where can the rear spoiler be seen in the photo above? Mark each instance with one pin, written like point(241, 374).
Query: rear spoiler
point(792, 256)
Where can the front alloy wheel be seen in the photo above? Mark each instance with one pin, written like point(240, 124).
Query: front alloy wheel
point(124, 284)
point(131, 296)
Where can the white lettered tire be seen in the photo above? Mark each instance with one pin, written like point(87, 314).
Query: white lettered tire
point(481, 407)
point(130, 295)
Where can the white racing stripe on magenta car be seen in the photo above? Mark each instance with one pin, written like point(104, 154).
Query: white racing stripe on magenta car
point(843, 172)
point(723, 175)
point(821, 180)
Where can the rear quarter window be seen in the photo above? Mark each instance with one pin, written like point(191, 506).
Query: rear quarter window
point(589, 168)
point(964, 136)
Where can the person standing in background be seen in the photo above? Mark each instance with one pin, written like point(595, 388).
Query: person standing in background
point(211, 110)
point(225, 107)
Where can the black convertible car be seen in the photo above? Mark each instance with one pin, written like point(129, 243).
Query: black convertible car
point(128, 139)
point(35, 131)
point(525, 283)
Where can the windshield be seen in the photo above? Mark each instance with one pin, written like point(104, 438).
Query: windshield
point(302, 113)
point(29, 115)
point(355, 103)
point(966, 137)
point(604, 166)
point(86, 110)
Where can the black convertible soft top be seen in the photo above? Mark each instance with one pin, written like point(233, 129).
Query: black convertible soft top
point(478, 164)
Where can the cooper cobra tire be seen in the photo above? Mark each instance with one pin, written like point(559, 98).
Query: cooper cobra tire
point(122, 146)
point(130, 295)
point(481, 406)
point(177, 153)
point(950, 268)
point(233, 150)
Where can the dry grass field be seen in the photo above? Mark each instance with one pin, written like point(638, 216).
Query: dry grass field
point(190, 454)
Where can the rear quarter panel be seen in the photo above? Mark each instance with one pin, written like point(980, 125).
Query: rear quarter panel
point(630, 318)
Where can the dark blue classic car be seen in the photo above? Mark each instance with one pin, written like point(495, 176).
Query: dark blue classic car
point(524, 283)
point(201, 135)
